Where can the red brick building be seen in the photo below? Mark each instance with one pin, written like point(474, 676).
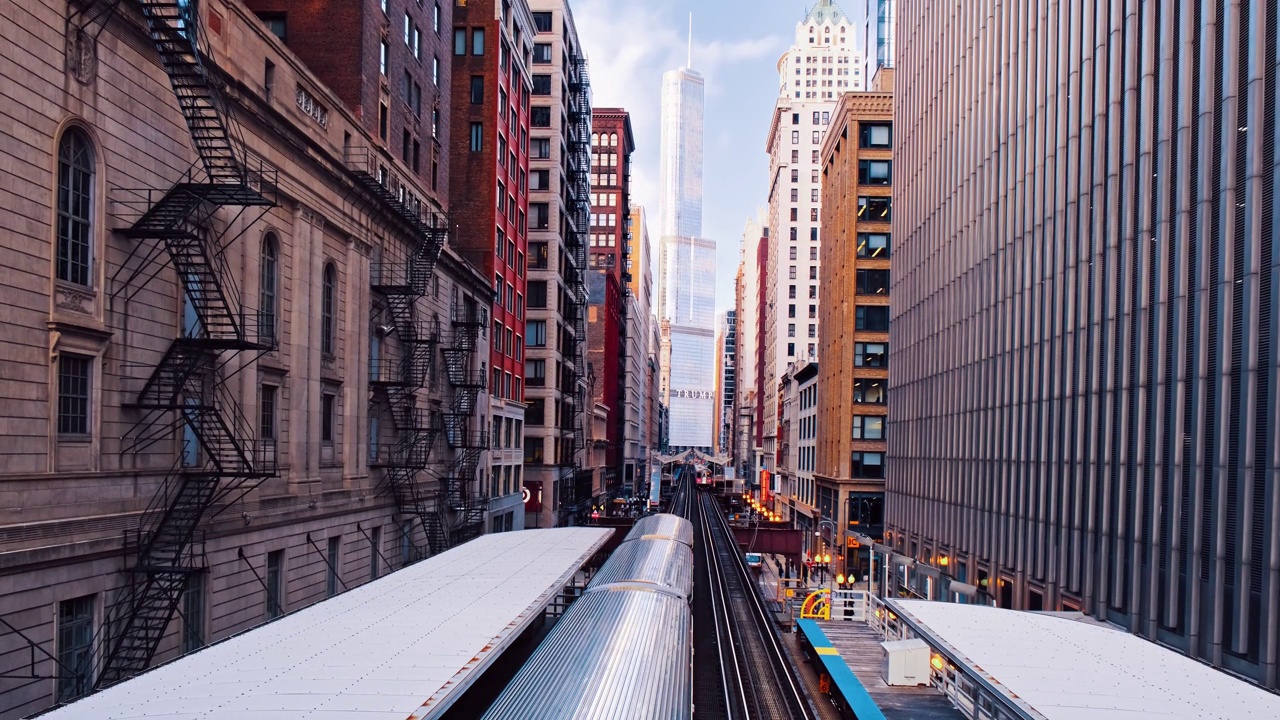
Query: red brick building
point(612, 143)
point(388, 60)
point(489, 187)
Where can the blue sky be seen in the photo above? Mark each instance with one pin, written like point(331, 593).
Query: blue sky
point(736, 46)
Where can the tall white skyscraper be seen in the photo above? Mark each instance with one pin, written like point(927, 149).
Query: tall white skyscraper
point(687, 265)
point(821, 65)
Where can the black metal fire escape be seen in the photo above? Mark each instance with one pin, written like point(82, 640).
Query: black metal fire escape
point(464, 495)
point(400, 279)
point(186, 392)
point(571, 498)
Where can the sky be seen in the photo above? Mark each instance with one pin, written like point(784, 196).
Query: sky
point(736, 46)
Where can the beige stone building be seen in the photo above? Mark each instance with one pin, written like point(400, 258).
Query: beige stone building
point(853, 375)
point(239, 359)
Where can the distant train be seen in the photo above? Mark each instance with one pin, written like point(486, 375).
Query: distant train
point(624, 650)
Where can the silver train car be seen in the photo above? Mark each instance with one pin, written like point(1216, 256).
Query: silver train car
point(624, 650)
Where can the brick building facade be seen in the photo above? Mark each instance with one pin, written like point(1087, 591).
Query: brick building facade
point(853, 375)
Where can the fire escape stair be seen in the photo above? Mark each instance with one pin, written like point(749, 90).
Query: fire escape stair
point(186, 380)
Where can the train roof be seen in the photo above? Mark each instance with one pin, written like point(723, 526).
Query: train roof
point(663, 525)
point(615, 655)
point(651, 562)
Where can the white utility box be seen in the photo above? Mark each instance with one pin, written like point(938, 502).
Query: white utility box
point(906, 662)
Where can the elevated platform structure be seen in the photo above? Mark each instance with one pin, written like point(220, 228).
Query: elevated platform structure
point(1048, 665)
point(408, 645)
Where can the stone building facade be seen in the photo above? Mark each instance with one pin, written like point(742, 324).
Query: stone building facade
point(280, 437)
point(559, 413)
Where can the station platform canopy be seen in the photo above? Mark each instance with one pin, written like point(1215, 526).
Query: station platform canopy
point(405, 646)
point(1065, 669)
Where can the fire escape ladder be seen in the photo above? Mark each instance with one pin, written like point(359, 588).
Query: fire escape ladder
point(219, 455)
point(464, 495)
point(572, 501)
point(396, 378)
point(175, 32)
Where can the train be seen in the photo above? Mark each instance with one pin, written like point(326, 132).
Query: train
point(624, 650)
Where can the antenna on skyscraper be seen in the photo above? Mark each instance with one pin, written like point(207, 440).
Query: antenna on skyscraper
point(690, 63)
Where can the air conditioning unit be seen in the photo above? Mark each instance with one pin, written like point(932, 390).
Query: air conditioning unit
point(906, 662)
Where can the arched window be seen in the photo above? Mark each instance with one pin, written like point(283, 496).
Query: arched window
point(613, 139)
point(328, 308)
point(75, 207)
point(269, 289)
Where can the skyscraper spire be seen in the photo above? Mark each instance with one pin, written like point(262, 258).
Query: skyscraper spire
point(689, 64)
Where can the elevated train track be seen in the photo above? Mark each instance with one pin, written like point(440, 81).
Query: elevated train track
point(751, 677)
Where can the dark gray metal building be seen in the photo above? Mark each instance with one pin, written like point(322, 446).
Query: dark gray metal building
point(1084, 385)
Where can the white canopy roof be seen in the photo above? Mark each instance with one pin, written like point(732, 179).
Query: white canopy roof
point(404, 646)
point(1066, 669)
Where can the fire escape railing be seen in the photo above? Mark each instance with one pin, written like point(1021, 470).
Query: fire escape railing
point(399, 371)
point(186, 392)
point(464, 496)
point(572, 499)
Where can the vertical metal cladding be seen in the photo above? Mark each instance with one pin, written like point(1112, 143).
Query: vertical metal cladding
point(1084, 380)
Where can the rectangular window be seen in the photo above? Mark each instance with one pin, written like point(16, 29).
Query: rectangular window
point(75, 647)
point(327, 402)
point(872, 318)
point(816, 115)
point(874, 172)
point(477, 41)
point(813, 195)
point(275, 584)
point(383, 121)
point(795, 137)
point(817, 136)
point(537, 259)
point(542, 53)
point(435, 71)
point(193, 612)
point(540, 116)
point(873, 245)
point(74, 377)
point(375, 550)
point(535, 373)
point(873, 282)
point(459, 41)
point(408, 30)
point(875, 136)
point(541, 84)
point(477, 137)
point(537, 292)
point(537, 333)
point(874, 209)
point(795, 194)
point(870, 391)
point(384, 51)
point(477, 89)
point(539, 179)
point(541, 148)
point(867, 465)
point(872, 355)
point(542, 21)
point(267, 412)
point(334, 562)
point(534, 415)
point(540, 215)
point(868, 427)
point(417, 42)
